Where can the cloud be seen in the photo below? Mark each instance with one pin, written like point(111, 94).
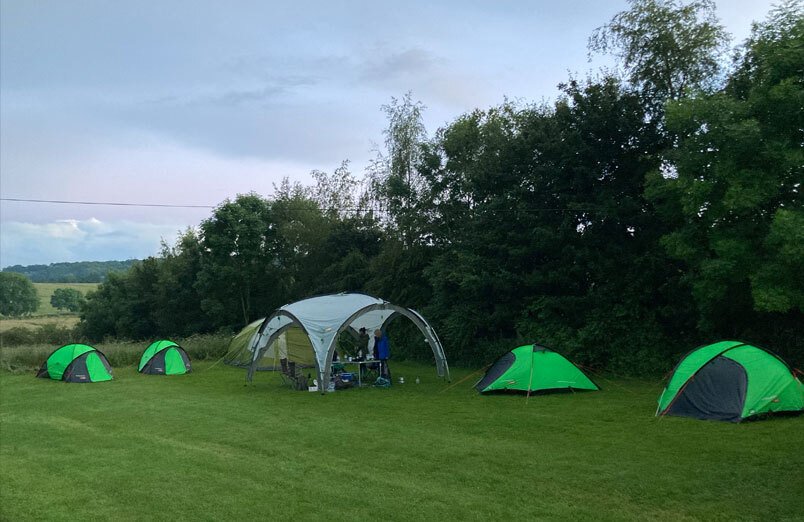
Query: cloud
point(382, 66)
point(260, 90)
point(81, 240)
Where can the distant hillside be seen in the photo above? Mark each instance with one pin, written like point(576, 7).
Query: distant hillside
point(80, 272)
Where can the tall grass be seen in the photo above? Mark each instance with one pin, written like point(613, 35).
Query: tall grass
point(23, 358)
point(49, 333)
point(36, 321)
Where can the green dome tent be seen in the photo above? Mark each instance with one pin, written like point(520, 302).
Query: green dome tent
point(238, 353)
point(534, 368)
point(730, 381)
point(76, 363)
point(164, 358)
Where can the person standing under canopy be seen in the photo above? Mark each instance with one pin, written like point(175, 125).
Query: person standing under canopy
point(382, 351)
point(362, 344)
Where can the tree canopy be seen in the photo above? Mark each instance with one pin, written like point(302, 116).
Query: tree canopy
point(67, 299)
point(77, 272)
point(668, 48)
point(17, 295)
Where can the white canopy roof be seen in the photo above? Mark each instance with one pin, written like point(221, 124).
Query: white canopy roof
point(323, 318)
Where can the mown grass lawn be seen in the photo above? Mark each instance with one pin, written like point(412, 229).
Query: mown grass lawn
point(205, 446)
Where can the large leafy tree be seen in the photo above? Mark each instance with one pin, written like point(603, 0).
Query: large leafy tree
point(67, 299)
point(240, 266)
point(737, 187)
point(178, 297)
point(156, 297)
point(395, 178)
point(126, 305)
point(17, 295)
point(538, 211)
point(667, 48)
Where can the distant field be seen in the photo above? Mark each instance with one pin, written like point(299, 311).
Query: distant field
point(45, 290)
point(46, 314)
point(64, 320)
point(206, 446)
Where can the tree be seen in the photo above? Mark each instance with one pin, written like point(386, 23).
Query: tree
point(394, 176)
point(667, 48)
point(536, 212)
point(337, 193)
point(240, 270)
point(79, 272)
point(178, 298)
point(67, 299)
point(126, 305)
point(737, 190)
point(17, 295)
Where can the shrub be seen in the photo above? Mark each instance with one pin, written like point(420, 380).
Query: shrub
point(17, 336)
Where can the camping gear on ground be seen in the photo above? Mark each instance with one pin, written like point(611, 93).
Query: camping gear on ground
point(731, 381)
point(533, 368)
point(343, 381)
point(164, 358)
point(322, 319)
point(76, 363)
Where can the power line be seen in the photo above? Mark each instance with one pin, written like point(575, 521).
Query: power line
point(108, 203)
point(341, 209)
point(164, 205)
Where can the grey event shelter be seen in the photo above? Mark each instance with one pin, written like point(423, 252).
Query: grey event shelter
point(323, 318)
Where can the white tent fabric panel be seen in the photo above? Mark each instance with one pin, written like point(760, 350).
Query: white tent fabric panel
point(372, 320)
point(275, 324)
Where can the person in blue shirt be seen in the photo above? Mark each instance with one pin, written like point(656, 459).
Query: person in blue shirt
point(382, 351)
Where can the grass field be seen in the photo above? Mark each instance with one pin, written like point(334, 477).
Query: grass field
point(33, 322)
point(205, 446)
point(46, 314)
point(45, 291)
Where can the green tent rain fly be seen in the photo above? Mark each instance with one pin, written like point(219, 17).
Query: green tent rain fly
point(731, 381)
point(76, 363)
point(534, 368)
point(292, 344)
point(164, 358)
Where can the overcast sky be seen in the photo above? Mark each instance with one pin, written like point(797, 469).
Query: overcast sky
point(193, 102)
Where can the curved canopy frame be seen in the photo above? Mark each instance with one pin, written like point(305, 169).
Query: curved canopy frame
point(323, 318)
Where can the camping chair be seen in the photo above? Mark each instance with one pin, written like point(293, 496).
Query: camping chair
point(292, 375)
point(369, 372)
